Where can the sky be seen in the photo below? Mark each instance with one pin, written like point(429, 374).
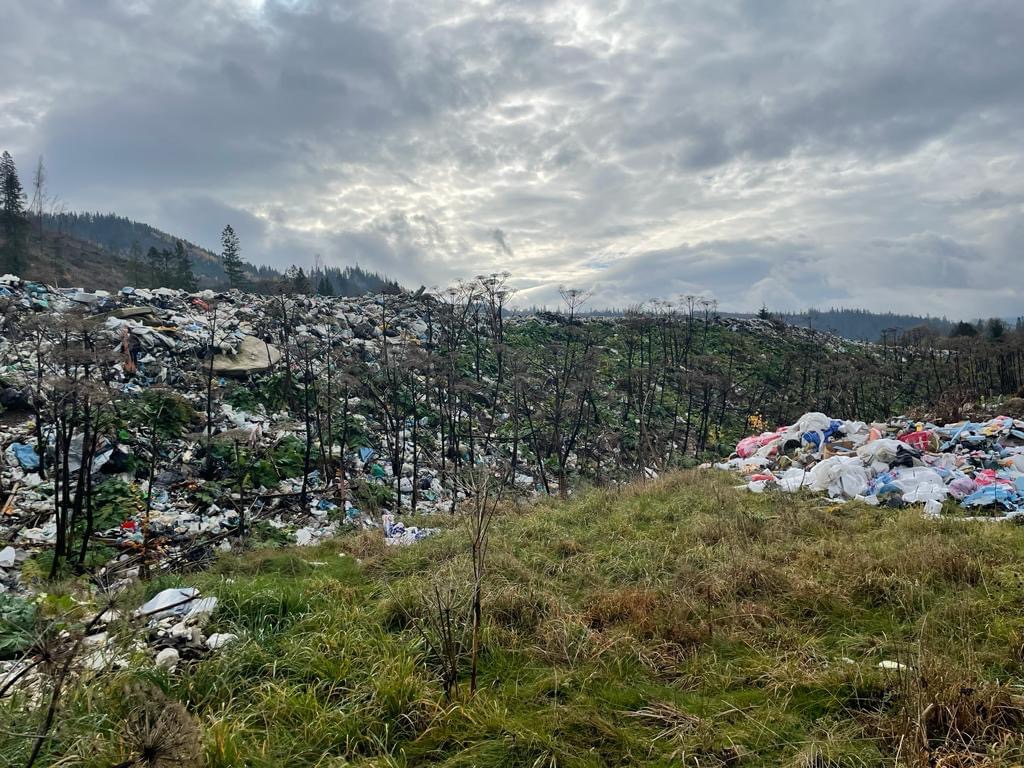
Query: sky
point(861, 153)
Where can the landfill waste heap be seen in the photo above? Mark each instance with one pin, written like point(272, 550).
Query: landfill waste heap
point(968, 469)
point(144, 430)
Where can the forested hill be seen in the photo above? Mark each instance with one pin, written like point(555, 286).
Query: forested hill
point(104, 250)
point(118, 235)
point(860, 324)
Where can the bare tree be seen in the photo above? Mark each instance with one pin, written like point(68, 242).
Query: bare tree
point(484, 489)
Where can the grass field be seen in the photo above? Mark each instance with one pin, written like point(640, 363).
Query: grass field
point(678, 623)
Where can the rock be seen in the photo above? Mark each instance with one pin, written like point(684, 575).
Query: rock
point(167, 659)
point(253, 355)
point(7, 556)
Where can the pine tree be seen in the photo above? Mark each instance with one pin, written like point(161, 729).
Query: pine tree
point(166, 268)
point(184, 278)
point(13, 223)
point(324, 287)
point(135, 262)
point(154, 260)
point(298, 282)
point(231, 257)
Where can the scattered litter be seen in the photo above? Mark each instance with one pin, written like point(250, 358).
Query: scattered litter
point(26, 456)
point(219, 640)
point(894, 666)
point(397, 534)
point(174, 621)
point(174, 339)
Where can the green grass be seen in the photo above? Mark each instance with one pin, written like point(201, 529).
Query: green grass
point(677, 623)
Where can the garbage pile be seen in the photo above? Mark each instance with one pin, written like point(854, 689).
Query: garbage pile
point(977, 466)
point(170, 339)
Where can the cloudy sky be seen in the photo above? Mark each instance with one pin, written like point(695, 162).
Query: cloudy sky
point(864, 153)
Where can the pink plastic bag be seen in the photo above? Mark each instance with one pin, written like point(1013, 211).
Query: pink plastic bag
point(748, 446)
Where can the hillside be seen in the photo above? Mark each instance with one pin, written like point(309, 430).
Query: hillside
point(67, 260)
point(851, 324)
point(106, 252)
point(673, 623)
point(116, 235)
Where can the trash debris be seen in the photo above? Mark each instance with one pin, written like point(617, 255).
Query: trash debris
point(169, 602)
point(26, 455)
point(397, 534)
point(244, 473)
point(976, 464)
point(892, 666)
point(167, 659)
point(219, 640)
point(252, 355)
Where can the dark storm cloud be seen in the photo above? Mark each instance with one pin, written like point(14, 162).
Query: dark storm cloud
point(752, 151)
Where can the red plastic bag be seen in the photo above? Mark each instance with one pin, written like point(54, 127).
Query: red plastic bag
point(920, 440)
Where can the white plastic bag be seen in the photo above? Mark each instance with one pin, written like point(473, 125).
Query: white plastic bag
point(920, 484)
point(841, 476)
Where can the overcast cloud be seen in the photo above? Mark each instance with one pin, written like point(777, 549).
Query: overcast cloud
point(864, 153)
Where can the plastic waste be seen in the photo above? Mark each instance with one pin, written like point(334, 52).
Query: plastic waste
point(840, 476)
point(219, 640)
point(167, 658)
point(396, 533)
point(26, 456)
point(978, 464)
point(169, 602)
